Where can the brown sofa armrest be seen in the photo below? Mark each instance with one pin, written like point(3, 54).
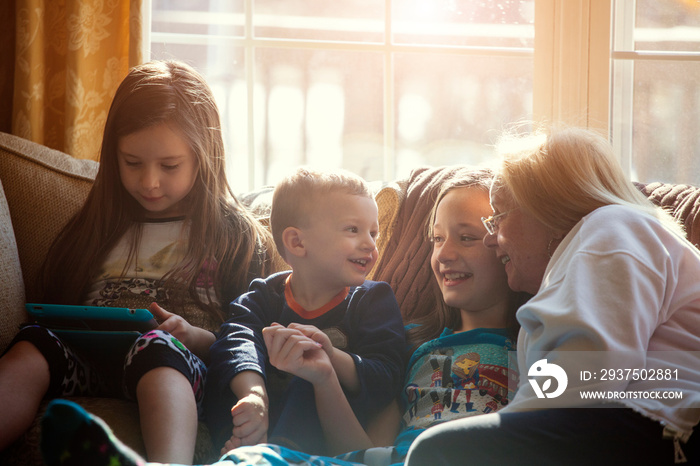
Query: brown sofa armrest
point(680, 200)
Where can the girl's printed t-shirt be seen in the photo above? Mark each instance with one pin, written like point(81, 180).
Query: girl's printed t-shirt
point(455, 376)
point(162, 247)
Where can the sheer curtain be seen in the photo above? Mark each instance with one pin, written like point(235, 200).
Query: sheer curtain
point(70, 57)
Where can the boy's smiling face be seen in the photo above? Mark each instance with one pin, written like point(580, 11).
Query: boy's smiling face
point(340, 239)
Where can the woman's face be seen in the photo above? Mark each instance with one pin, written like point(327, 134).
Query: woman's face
point(470, 276)
point(520, 242)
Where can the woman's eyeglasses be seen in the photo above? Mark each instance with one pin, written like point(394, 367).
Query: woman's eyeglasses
point(491, 223)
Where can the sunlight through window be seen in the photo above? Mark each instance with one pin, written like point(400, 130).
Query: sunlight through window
point(378, 88)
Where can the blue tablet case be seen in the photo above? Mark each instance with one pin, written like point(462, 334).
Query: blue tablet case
point(113, 329)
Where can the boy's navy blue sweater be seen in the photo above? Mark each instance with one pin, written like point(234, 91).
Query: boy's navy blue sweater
point(367, 324)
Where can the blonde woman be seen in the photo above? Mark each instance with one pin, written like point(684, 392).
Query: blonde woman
point(614, 282)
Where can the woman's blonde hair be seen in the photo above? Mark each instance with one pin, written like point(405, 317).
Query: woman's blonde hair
point(221, 230)
point(560, 175)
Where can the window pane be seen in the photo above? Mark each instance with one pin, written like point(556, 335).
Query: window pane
point(449, 108)
point(486, 23)
point(321, 108)
point(349, 20)
point(223, 66)
point(666, 116)
point(667, 25)
point(323, 102)
point(216, 17)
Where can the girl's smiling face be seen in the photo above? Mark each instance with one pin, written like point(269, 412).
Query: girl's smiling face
point(158, 168)
point(470, 276)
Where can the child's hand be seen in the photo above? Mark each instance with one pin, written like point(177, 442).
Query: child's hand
point(316, 335)
point(171, 323)
point(250, 423)
point(343, 364)
point(292, 351)
point(194, 338)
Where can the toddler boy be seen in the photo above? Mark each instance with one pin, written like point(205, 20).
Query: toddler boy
point(306, 346)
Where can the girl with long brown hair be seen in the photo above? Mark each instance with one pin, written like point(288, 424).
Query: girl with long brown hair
point(160, 227)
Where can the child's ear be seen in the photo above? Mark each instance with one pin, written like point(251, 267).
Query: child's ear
point(293, 240)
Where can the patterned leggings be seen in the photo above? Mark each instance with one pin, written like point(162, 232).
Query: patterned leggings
point(79, 372)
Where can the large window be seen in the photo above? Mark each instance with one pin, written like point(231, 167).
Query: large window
point(656, 89)
point(376, 87)
point(380, 87)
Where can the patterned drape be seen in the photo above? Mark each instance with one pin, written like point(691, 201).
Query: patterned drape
point(70, 57)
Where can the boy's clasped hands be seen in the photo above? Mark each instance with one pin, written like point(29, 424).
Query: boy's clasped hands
point(301, 350)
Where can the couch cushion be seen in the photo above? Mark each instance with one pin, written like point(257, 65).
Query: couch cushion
point(12, 295)
point(44, 189)
point(681, 200)
point(389, 199)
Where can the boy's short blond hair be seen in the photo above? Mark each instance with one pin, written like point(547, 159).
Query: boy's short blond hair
point(294, 198)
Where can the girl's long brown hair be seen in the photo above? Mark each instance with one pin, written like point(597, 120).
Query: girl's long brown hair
point(430, 325)
point(221, 230)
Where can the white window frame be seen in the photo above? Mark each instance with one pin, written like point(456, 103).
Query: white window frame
point(572, 62)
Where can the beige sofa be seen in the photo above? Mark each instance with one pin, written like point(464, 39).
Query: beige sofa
point(40, 189)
